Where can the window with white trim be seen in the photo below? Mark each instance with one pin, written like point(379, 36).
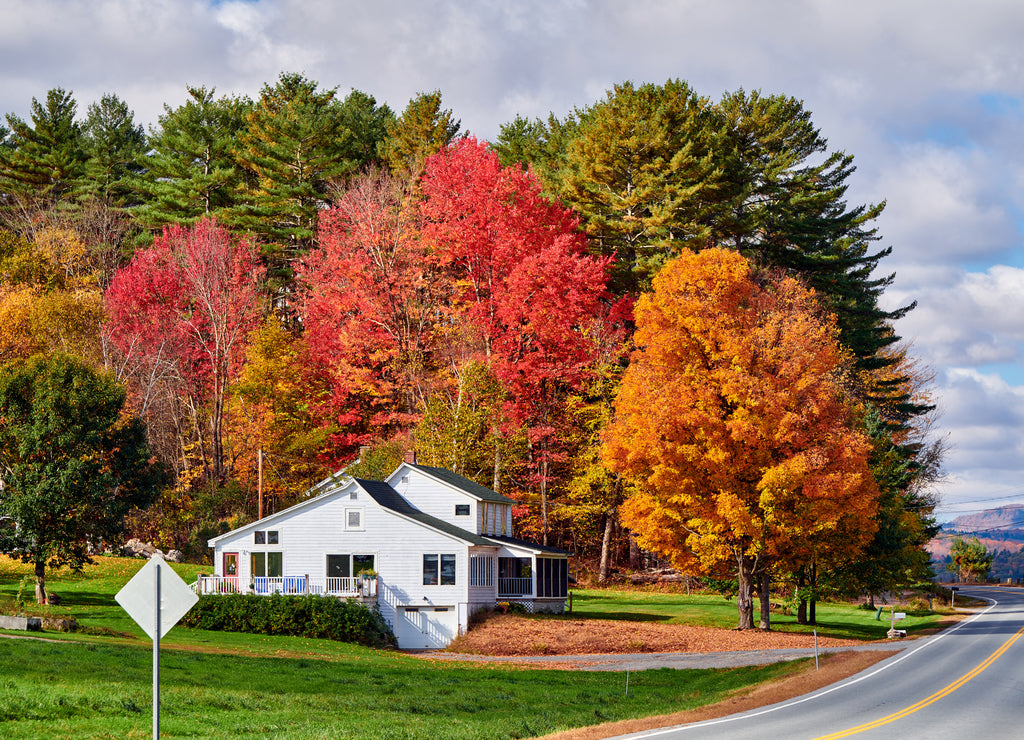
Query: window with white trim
point(438, 569)
point(264, 537)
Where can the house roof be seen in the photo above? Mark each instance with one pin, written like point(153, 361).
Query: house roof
point(388, 497)
point(526, 544)
point(330, 485)
point(464, 484)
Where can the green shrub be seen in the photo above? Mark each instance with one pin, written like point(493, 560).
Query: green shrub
point(304, 616)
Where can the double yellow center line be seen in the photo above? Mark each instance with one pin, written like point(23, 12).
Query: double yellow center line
point(931, 699)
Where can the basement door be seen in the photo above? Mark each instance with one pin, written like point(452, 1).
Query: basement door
point(426, 627)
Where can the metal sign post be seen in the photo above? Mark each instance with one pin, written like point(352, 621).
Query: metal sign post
point(156, 598)
point(156, 654)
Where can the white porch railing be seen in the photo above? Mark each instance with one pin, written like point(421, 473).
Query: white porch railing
point(515, 587)
point(288, 585)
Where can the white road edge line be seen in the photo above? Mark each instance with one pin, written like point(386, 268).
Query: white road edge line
point(809, 697)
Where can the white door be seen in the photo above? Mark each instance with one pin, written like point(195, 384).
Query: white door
point(422, 627)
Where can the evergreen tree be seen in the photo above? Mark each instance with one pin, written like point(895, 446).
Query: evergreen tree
point(115, 145)
point(425, 128)
point(364, 126)
point(784, 193)
point(297, 143)
point(45, 157)
point(191, 171)
point(639, 168)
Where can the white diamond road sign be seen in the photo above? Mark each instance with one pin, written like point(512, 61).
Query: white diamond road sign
point(138, 597)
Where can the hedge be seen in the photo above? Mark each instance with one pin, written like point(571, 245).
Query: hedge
point(304, 616)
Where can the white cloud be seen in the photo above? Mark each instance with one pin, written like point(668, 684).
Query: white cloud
point(971, 322)
point(984, 417)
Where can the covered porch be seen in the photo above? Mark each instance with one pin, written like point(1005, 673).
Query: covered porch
point(360, 587)
point(534, 576)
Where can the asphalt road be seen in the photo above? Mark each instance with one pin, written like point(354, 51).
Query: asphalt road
point(965, 682)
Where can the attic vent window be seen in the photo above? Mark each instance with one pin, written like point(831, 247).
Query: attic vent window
point(354, 520)
point(353, 495)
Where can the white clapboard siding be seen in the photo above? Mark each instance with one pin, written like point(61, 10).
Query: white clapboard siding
point(436, 498)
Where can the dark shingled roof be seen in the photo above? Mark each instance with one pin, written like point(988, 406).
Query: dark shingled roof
point(527, 544)
point(471, 487)
point(388, 497)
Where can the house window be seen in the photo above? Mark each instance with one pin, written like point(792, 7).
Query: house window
point(438, 569)
point(265, 537)
point(481, 571)
point(461, 509)
point(353, 520)
point(267, 564)
point(347, 566)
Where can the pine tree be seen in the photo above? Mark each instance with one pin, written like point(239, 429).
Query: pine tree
point(297, 144)
point(115, 145)
point(191, 171)
point(424, 129)
point(639, 168)
point(44, 160)
point(784, 210)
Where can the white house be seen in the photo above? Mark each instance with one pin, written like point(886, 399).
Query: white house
point(427, 545)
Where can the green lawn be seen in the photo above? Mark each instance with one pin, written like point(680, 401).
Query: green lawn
point(712, 610)
point(61, 690)
point(97, 684)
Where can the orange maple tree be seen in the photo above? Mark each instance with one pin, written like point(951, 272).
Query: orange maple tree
point(732, 424)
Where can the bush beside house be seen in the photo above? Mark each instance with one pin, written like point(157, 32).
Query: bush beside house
point(303, 616)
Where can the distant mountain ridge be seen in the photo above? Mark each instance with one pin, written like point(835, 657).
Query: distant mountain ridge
point(1001, 528)
point(1004, 517)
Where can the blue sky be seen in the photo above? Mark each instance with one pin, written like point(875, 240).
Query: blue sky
point(928, 97)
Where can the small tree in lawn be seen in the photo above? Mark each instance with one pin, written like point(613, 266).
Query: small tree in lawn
point(971, 560)
point(732, 424)
point(72, 462)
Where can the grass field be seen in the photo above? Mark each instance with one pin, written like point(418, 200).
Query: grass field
point(712, 610)
point(97, 683)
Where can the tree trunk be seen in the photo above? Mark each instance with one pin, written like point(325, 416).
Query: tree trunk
point(606, 542)
point(544, 500)
point(764, 594)
point(40, 582)
point(634, 553)
point(744, 596)
point(496, 482)
point(801, 609)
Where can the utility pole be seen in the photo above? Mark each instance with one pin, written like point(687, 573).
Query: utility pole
point(259, 481)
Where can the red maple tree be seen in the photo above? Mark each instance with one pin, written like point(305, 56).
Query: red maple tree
point(185, 306)
point(524, 291)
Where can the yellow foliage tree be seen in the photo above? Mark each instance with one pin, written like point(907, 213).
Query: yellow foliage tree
point(733, 426)
point(49, 296)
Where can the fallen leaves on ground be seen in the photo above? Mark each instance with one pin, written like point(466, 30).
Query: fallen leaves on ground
point(507, 634)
